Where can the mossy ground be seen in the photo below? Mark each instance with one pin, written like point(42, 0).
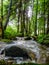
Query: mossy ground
point(5, 40)
point(2, 62)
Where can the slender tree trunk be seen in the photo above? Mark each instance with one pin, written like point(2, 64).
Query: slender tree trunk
point(36, 19)
point(21, 17)
point(9, 11)
point(18, 21)
point(48, 24)
point(0, 28)
point(44, 16)
point(48, 19)
point(2, 18)
point(32, 16)
point(27, 26)
point(23, 20)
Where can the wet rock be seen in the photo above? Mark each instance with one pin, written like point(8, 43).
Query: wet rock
point(15, 51)
point(34, 37)
point(28, 49)
point(33, 56)
point(47, 59)
point(2, 42)
point(27, 38)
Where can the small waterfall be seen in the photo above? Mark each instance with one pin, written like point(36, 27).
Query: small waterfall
point(37, 52)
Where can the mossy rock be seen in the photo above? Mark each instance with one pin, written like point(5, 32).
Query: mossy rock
point(6, 40)
point(47, 59)
point(14, 51)
point(28, 38)
point(2, 62)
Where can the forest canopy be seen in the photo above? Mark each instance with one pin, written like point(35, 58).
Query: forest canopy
point(24, 18)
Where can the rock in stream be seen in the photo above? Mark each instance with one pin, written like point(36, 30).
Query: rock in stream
point(28, 49)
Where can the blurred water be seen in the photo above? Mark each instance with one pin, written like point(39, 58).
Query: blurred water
point(30, 45)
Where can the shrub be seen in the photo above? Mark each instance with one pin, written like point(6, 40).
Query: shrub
point(9, 33)
point(43, 39)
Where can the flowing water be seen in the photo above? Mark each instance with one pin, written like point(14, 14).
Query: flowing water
point(37, 52)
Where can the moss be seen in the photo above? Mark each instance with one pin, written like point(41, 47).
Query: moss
point(47, 60)
point(6, 40)
point(2, 62)
point(19, 35)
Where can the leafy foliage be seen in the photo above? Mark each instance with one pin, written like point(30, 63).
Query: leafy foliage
point(25, 25)
point(43, 39)
point(10, 33)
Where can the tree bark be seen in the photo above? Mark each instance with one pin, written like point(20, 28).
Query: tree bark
point(44, 16)
point(18, 22)
point(48, 24)
point(36, 19)
point(24, 20)
point(2, 19)
point(9, 11)
point(48, 19)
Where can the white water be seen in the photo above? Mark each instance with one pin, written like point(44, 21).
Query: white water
point(30, 45)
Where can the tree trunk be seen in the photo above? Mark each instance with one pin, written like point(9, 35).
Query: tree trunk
point(48, 24)
point(9, 11)
point(27, 26)
point(48, 19)
point(23, 20)
point(36, 19)
point(21, 17)
point(2, 19)
point(44, 16)
point(18, 21)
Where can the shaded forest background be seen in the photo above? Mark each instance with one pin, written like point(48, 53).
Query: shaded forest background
point(24, 18)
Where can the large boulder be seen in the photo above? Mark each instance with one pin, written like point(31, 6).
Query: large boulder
point(28, 49)
point(15, 51)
